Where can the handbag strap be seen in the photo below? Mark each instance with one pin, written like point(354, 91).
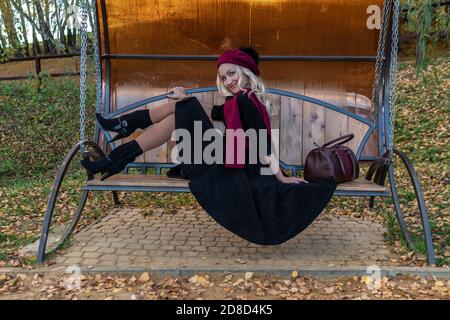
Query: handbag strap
point(348, 174)
point(338, 141)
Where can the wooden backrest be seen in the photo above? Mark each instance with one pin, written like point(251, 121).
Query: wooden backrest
point(300, 124)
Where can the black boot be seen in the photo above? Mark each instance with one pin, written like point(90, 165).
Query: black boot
point(116, 161)
point(126, 124)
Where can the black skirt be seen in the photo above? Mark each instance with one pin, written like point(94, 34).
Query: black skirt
point(257, 208)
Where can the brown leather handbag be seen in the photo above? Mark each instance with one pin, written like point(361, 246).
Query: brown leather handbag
point(332, 160)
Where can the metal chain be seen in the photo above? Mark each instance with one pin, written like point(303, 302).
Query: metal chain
point(99, 98)
point(380, 59)
point(393, 72)
point(83, 57)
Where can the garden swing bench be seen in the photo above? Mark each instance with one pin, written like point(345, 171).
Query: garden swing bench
point(333, 79)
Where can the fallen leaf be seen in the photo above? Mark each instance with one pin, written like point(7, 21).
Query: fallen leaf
point(293, 290)
point(228, 278)
point(144, 277)
point(248, 276)
point(414, 286)
point(329, 290)
point(132, 279)
point(238, 282)
point(240, 261)
point(199, 280)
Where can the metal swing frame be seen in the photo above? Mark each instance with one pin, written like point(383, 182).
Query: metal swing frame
point(383, 101)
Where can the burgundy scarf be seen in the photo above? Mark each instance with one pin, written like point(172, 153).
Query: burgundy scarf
point(236, 158)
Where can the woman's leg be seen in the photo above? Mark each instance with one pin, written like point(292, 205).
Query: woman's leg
point(162, 111)
point(157, 134)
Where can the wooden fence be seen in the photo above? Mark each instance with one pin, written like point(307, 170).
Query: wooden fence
point(37, 71)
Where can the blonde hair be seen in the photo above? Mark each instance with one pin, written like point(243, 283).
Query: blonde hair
point(255, 84)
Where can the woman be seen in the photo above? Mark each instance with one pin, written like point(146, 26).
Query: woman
point(263, 209)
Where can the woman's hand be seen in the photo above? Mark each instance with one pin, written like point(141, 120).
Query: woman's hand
point(274, 164)
point(177, 93)
point(284, 179)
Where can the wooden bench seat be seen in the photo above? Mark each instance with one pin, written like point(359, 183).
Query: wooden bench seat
point(147, 182)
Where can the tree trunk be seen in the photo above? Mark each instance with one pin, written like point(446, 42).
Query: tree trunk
point(47, 12)
point(3, 42)
point(73, 32)
point(24, 32)
point(8, 19)
point(2, 46)
point(69, 37)
point(74, 38)
point(36, 47)
point(60, 25)
point(45, 29)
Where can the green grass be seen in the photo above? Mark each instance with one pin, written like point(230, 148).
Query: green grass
point(16, 240)
point(422, 132)
point(393, 228)
point(43, 119)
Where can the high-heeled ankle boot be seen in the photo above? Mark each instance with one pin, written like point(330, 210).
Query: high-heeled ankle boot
point(116, 161)
point(126, 124)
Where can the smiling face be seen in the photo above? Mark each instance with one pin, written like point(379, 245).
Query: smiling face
point(230, 77)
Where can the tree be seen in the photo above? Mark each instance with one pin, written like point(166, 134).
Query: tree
point(10, 29)
point(47, 12)
point(71, 33)
point(36, 46)
point(47, 36)
point(60, 24)
point(24, 29)
point(2, 38)
point(42, 27)
point(2, 41)
point(431, 20)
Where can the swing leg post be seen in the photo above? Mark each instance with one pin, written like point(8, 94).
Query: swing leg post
point(420, 202)
point(52, 201)
point(376, 179)
point(117, 202)
point(369, 176)
point(377, 171)
point(67, 233)
point(74, 221)
point(44, 234)
point(371, 202)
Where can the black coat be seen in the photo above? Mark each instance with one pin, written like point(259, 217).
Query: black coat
point(255, 207)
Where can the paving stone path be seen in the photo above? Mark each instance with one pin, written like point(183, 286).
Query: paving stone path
point(130, 237)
